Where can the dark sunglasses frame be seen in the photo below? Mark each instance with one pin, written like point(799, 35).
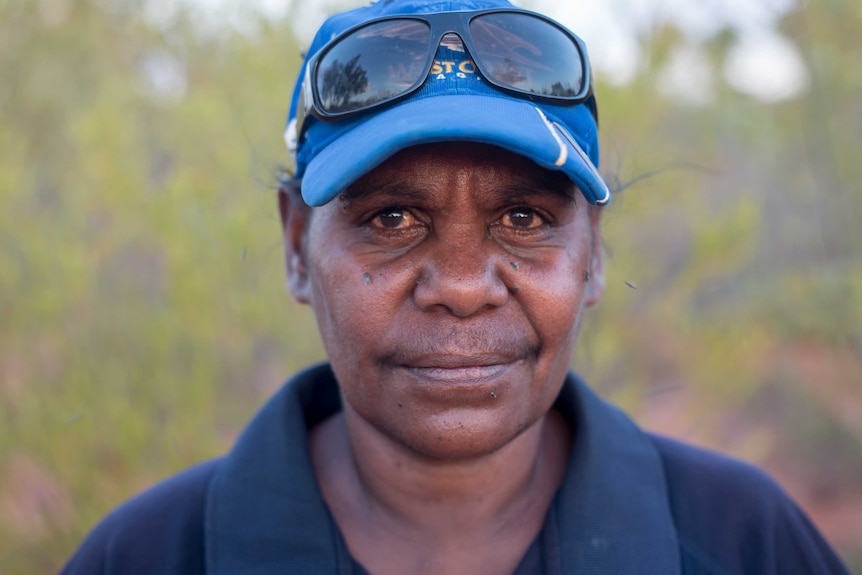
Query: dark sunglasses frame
point(441, 24)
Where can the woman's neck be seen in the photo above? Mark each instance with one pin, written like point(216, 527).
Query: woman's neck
point(379, 490)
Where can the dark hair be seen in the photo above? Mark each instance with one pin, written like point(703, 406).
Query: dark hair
point(290, 186)
point(292, 189)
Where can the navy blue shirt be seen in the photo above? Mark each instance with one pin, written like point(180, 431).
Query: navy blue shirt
point(631, 503)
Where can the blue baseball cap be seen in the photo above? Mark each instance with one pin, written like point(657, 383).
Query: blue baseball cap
point(453, 104)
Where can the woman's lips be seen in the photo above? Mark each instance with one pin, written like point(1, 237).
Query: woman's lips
point(460, 369)
point(466, 375)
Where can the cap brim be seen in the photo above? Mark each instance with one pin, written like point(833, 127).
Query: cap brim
point(516, 125)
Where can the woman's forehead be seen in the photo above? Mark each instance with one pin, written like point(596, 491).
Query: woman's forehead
point(413, 169)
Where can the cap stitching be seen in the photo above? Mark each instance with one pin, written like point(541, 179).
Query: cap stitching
point(590, 166)
point(564, 152)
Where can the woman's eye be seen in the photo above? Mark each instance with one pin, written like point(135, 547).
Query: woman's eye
point(523, 219)
point(393, 219)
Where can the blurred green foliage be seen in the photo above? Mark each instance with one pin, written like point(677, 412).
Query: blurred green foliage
point(143, 316)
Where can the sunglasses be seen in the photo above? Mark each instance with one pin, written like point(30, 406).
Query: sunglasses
point(384, 60)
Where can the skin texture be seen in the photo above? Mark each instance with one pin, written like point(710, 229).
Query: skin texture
point(448, 286)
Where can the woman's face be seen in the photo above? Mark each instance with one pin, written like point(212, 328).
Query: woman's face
point(448, 286)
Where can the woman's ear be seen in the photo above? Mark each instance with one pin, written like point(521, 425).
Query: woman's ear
point(595, 275)
point(295, 216)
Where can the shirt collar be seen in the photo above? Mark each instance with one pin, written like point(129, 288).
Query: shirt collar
point(613, 513)
point(265, 513)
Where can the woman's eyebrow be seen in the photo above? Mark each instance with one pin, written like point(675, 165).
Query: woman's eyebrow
point(530, 190)
point(397, 190)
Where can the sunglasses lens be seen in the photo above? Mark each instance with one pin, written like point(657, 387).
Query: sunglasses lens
point(529, 54)
point(375, 63)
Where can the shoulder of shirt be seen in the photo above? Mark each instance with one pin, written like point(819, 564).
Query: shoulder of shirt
point(733, 519)
point(161, 530)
